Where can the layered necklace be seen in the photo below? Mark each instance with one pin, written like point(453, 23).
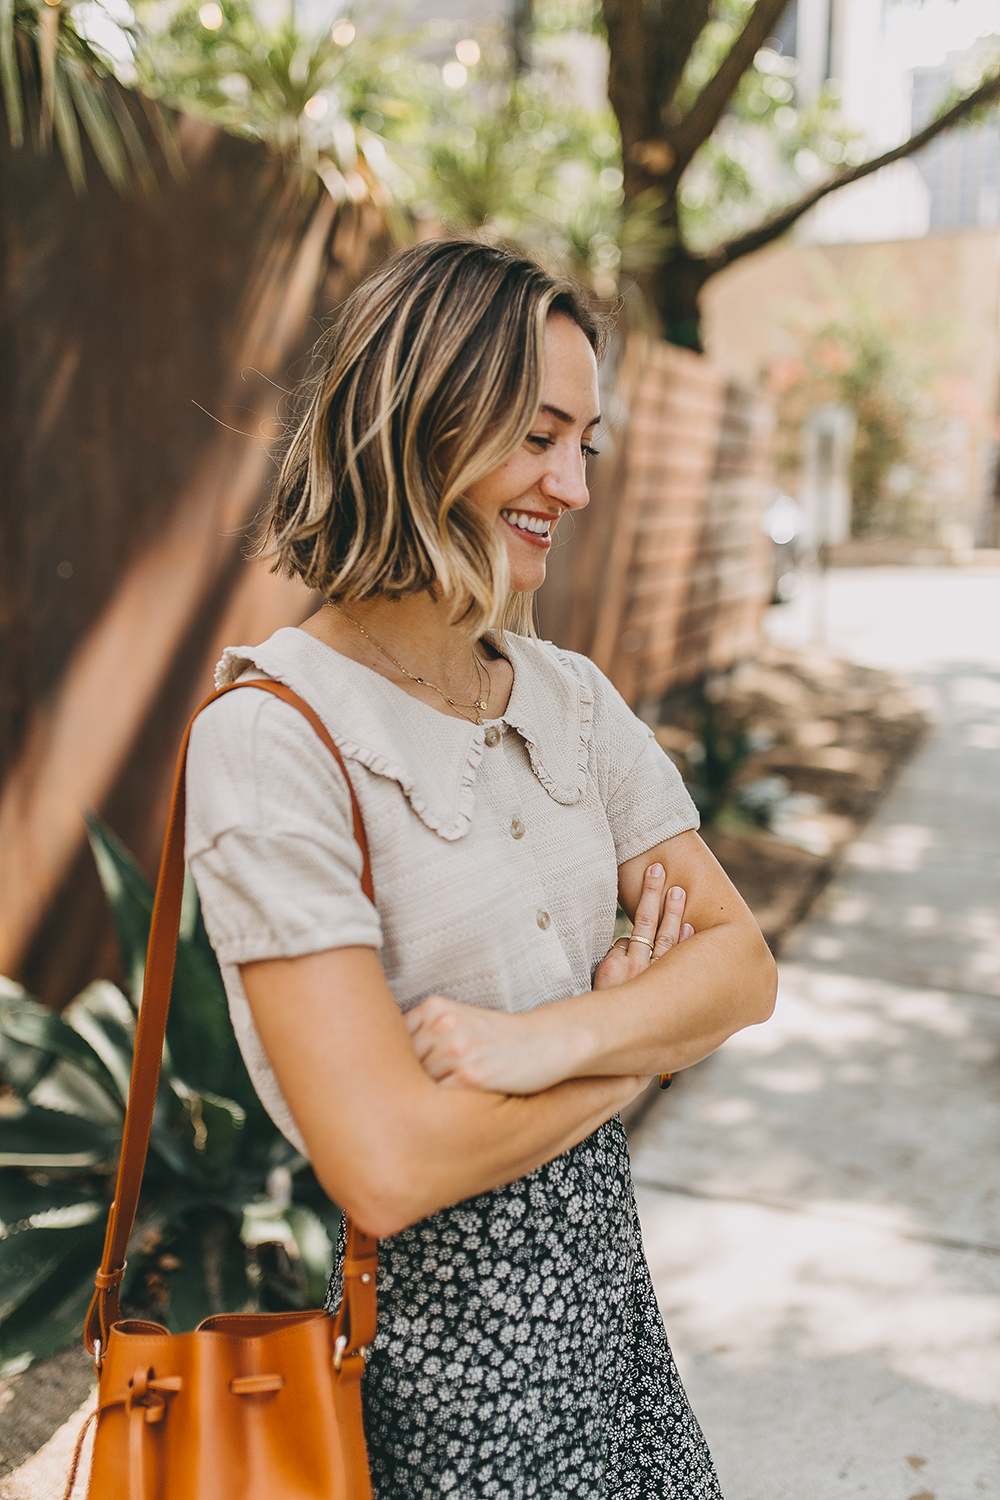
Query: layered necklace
point(477, 709)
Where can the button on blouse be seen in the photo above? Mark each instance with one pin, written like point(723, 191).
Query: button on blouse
point(467, 904)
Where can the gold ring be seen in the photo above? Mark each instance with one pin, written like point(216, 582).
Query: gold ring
point(635, 938)
point(622, 939)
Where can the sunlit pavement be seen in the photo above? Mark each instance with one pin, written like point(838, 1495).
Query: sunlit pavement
point(821, 1200)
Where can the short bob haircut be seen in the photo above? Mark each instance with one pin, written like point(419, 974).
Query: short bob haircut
point(428, 380)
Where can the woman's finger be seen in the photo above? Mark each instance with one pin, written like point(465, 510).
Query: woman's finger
point(668, 933)
point(686, 931)
point(647, 916)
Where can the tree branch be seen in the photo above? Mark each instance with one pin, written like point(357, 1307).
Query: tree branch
point(713, 101)
point(987, 93)
point(673, 39)
point(650, 44)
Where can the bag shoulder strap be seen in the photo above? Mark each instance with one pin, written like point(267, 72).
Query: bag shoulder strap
point(356, 1320)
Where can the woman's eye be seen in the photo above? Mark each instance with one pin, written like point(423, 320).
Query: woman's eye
point(589, 452)
point(539, 440)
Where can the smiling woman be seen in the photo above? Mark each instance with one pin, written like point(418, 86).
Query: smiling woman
point(453, 1059)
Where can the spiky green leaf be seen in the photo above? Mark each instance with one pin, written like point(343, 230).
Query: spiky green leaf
point(130, 897)
point(42, 1139)
point(68, 134)
point(10, 74)
point(100, 124)
point(46, 1282)
point(32, 1026)
point(103, 1018)
point(27, 1203)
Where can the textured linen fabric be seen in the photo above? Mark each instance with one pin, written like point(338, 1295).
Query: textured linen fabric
point(494, 847)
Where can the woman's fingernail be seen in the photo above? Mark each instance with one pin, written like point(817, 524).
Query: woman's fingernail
point(676, 893)
point(687, 930)
point(656, 871)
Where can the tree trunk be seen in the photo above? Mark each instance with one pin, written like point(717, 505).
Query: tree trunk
point(674, 289)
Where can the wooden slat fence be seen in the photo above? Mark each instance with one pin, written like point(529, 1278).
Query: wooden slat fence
point(664, 577)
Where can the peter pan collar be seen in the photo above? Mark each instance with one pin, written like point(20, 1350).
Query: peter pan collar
point(433, 758)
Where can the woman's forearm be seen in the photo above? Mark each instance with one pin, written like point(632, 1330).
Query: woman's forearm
point(458, 1143)
point(388, 1143)
point(674, 1013)
point(671, 1014)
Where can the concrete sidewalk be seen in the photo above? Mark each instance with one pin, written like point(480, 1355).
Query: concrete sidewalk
point(821, 1199)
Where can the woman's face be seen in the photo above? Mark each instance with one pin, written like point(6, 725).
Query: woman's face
point(546, 477)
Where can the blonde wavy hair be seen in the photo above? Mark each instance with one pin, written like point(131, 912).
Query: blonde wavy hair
point(428, 380)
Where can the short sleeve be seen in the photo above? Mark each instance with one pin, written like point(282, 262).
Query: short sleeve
point(643, 792)
point(269, 835)
point(650, 804)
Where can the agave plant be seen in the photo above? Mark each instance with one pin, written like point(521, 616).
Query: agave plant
point(231, 1216)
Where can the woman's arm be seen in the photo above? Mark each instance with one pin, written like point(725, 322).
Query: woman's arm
point(387, 1143)
point(674, 1012)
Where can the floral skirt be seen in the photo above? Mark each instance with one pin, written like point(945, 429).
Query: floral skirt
point(520, 1352)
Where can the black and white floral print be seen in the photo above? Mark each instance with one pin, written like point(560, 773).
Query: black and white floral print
point(520, 1353)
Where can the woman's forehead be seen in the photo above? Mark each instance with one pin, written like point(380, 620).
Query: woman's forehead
point(569, 389)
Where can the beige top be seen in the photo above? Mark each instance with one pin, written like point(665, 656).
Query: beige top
point(494, 847)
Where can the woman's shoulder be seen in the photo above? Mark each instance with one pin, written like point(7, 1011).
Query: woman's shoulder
point(239, 736)
point(545, 665)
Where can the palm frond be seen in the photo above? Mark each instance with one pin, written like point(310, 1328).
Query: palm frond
point(10, 77)
point(68, 134)
point(101, 126)
point(50, 72)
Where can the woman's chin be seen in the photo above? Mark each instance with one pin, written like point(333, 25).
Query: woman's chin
point(527, 580)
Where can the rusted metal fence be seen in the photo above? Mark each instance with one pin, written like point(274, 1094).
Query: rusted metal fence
point(665, 575)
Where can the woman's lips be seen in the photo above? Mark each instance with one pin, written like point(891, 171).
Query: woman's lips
point(536, 538)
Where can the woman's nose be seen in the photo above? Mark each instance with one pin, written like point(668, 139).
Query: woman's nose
point(565, 479)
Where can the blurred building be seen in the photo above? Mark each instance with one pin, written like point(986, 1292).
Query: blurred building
point(920, 241)
point(962, 168)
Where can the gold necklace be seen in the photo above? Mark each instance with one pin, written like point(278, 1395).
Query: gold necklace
point(482, 702)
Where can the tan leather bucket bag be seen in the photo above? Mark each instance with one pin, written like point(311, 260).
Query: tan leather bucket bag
point(262, 1406)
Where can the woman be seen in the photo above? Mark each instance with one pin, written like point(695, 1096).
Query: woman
point(453, 1063)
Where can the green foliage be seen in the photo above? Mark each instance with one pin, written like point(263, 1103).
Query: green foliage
point(230, 1215)
point(716, 759)
point(520, 160)
point(855, 356)
point(295, 89)
point(768, 148)
point(291, 86)
point(54, 80)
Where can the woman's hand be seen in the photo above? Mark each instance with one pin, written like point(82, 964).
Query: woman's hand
point(651, 935)
point(463, 1047)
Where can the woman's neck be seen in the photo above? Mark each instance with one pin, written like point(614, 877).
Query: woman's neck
point(411, 638)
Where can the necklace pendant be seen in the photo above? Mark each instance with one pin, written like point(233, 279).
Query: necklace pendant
point(481, 705)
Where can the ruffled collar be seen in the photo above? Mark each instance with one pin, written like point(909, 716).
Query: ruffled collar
point(433, 758)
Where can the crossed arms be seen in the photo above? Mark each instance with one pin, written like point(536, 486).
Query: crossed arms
point(405, 1115)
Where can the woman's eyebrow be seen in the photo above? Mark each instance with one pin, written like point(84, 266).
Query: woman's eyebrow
point(565, 418)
